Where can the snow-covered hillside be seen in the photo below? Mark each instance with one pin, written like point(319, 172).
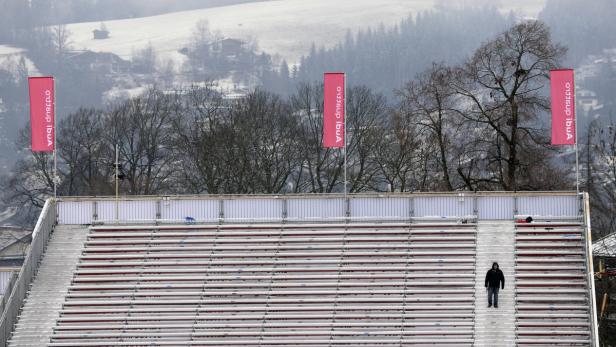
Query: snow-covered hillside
point(286, 27)
point(9, 50)
point(10, 57)
point(283, 27)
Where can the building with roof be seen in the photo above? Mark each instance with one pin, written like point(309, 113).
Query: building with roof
point(14, 243)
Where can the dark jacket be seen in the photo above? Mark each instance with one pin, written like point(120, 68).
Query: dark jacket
point(495, 278)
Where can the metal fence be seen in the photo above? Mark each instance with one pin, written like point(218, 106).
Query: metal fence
point(40, 237)
point(210, 209)
point(590, 271)
point(6, 278)
point(8, 286)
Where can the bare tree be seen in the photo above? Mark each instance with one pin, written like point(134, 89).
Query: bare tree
point(84, 155)
point(61, 37)
point(31, 180)
point(264, 129)
point(366, 118)
point(502, 89)
point(322, 168)
point(61, 44)
point(399, 155)
point(600, 160)
point(142, 129)
point(199, 147)
point(145, 60)
point(429, 102)
point(200, 50)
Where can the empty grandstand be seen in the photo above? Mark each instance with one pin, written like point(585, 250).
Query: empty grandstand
point(365, 270)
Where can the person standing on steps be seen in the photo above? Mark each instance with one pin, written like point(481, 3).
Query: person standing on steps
point(494, 280)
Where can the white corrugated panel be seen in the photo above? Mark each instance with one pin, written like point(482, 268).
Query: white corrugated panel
point(253, 209)
point(549, 206)
point(75, 212)
point(489, 207)
point(138, 210)
point(315, 208)
point(127, 210)
point(380, 207)
point(197, 209)
point(443, 206)
point(495, 207)
point(106, 210)
point(5, 278)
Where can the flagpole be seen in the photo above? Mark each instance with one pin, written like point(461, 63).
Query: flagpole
point(117, 186)
point(577, 154)
point(346, 115)
point(55, 144)
point(577, 162)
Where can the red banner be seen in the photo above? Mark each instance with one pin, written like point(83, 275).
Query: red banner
point(42, 113)
point(562, 87)
point(333, 110)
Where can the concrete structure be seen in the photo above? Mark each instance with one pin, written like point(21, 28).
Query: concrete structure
point(46, 295)
point(495, 243)
point(14, 243)
point(399, 270)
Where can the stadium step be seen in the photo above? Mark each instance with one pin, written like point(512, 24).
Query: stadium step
point(494, 327)
point(363, 284)
point(347, 284)
point(47, 292)
point(552, 305)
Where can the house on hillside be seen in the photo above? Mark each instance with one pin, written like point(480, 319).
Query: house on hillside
point(102, 33)
point(14, 244)
point(229, 47)
point(100, 62)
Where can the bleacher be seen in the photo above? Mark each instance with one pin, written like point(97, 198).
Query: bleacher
point(272, 285)
point(392, 270)
point(552, 294)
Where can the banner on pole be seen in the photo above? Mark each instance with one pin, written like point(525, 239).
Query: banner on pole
point(334, 110)
point(42, 113)
point(562, 88)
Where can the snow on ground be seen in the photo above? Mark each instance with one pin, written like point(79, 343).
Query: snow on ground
point(10, 57)
point(118, 93)
point(9, 50)
point(284, 27)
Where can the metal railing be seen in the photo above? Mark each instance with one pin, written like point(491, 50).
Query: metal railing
point(40, 238)
point(7, 291)
point(590, 273)
point(312, 207)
